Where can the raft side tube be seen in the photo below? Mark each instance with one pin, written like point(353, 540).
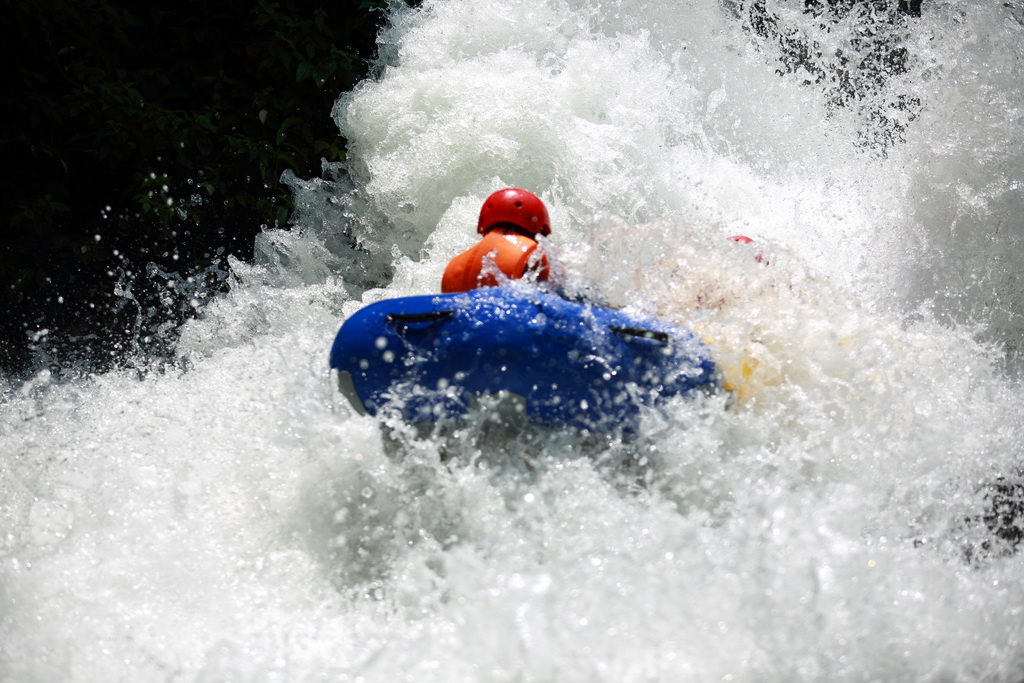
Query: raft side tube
point(575, 364)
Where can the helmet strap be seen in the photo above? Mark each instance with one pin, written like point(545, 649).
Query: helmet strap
point(512, 227)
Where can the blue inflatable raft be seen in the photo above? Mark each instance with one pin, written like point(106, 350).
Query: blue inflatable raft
point(573, 364)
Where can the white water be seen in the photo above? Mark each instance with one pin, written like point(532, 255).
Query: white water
point(234, 520)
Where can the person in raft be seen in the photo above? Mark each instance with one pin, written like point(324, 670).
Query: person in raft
point(510, 221)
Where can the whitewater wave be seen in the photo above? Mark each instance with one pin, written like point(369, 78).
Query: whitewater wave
point(844, 512)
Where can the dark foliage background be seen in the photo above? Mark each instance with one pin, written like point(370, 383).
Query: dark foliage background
point(143, 144)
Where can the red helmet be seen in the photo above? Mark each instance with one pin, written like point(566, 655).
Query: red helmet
point(517, 207)
point(743, 239)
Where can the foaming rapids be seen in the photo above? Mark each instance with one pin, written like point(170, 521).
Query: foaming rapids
point(848, 509)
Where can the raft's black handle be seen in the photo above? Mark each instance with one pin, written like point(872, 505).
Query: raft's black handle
point(429, 317)
point(643, 333)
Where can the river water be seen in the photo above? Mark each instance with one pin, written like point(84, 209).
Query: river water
point(230, 518)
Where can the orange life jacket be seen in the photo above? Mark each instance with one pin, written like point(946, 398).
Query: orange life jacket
point(510, 253)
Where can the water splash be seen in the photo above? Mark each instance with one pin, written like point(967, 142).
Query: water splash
point(232, 518)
